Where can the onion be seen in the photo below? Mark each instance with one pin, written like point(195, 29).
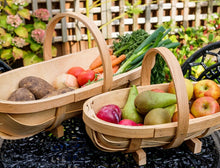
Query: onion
point(110, 113)
point(65, 80)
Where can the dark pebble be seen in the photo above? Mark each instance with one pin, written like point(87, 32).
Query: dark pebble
point(75, 150)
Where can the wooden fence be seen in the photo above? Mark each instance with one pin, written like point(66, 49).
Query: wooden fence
point(186, 13)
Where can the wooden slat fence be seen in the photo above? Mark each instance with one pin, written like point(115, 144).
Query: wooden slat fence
point(186, 13)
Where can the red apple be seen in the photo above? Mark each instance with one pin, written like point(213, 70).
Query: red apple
point(128, 122)
point(206, 87)
point(175, 117)
point(204, 106)
point(158, 90)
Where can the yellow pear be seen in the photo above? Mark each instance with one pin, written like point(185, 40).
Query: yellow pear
point(189, 88)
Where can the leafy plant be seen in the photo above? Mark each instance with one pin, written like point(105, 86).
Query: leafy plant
point(22, 33)
point(192, 39)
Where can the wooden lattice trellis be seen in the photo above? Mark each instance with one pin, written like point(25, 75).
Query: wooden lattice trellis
point(186, 13)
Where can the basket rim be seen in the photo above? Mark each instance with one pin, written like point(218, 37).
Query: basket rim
point(104, 126)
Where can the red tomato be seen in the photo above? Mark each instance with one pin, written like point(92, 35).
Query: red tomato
point(75, 71)
point(85, 76)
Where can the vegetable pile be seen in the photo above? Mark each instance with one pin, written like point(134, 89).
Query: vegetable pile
point(135, 46)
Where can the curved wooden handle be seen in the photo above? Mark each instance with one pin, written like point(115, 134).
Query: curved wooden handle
point(102, 46)
point(180, 88)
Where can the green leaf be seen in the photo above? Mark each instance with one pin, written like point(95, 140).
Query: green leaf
point(2, 31)
point(9, 2)
point(25, 13)
point(35, 46)
point(17, 53)
point(211, 37)
point(9, 10)
point(40, 25)
point(54, 51)
point(6, 54)
point(3, 22)
point(21, 32)
point(6, 39)
point(29, 27)
point(14, 7)
point(31, 58)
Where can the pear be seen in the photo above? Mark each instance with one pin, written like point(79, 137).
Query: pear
point(157, 116)
point(129, 110)
point(148, 100)
point(171, 109)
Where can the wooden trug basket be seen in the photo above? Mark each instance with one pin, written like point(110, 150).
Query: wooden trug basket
point(24, 119)
point(111, 137)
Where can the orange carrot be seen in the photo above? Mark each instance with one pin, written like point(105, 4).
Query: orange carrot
point(98, 62)
point(115, 68)
point(110, 51)
point(115, 62)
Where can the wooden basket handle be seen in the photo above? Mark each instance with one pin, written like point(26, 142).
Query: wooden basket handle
point(180, 88)
point(102, 46)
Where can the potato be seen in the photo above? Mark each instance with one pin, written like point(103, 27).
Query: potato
point(38, 86)
point(21, 94)
point(57, 92)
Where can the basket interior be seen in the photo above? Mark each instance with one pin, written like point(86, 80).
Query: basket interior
point(47, 70)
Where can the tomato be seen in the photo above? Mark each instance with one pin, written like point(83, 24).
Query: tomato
point(85, 76)
point(75, 71)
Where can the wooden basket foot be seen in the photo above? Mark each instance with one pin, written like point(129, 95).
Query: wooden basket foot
point(140, 157)
point(58, 131)
point(194, 144)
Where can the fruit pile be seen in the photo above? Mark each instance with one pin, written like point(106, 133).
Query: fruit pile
point(158, 106)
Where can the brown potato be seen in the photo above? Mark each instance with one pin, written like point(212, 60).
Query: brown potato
point(57, 92)
point(39, 87)
point(21, 94)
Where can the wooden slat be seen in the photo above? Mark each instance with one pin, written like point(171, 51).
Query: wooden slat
point(49, 7)
point(198, 12)
point(135, 19)
point(104, 19)
point(108, 19)
point(210, 8)
point(34, 5)
point(147, 16)
point(185, 13)
point(160, 12)
point(63, 21)
point(121, 11)
point(173, 12)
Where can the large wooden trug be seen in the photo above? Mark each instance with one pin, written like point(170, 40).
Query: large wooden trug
point(111, 137)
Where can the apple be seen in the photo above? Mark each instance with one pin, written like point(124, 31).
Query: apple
point(206, 87)
point(158, 90)
point(204, 106)
point(175, 117)
point(128, 122)
point(189, 88)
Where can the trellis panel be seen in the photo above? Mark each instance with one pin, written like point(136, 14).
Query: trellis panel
point(186, 13)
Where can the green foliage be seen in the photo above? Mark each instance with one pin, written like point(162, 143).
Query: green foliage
point(192, 39)
point(17, 40)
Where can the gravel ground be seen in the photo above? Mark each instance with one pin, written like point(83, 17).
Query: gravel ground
point(75, 150)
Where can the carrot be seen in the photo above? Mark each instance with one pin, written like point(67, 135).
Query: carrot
point(110, 51)
point(115, 62)
point(115, 68)
point(98, 62)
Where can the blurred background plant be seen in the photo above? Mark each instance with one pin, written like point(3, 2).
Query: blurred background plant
point(22, 33)
point(192, 39)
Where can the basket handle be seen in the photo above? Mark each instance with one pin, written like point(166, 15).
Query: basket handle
point(102, 46)
point(180, 88)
